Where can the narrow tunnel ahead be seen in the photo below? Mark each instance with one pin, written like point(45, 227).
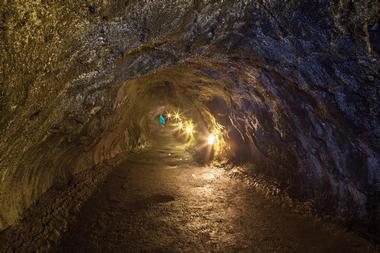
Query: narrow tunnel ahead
point(272, 133)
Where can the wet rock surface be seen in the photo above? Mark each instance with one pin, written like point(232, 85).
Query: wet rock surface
point(295, 83)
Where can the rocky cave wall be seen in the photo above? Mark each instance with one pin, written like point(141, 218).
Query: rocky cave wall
point(296, 82)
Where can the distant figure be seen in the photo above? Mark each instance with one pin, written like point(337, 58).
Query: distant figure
point(162, 120)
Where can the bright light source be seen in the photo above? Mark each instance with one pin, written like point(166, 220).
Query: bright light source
point(189, 129)
point(211, 139)
point(180, 125)
point(169, 115)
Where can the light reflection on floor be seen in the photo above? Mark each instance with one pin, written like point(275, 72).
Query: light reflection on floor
point(178, 206)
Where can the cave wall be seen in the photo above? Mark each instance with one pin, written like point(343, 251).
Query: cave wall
point(298, 84)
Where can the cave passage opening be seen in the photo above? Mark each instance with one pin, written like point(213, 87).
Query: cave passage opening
point(224, 121)
point(184, 95)
point(172, 170)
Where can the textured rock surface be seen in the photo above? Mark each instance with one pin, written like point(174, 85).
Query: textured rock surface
point(50, 218)
point(297, 85)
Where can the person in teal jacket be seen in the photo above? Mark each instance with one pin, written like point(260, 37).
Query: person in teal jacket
point(162, 120)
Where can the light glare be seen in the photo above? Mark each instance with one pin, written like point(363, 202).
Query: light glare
point(189, 129)
point(211, 139)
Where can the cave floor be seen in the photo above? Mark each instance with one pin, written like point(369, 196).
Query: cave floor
point(156, 202)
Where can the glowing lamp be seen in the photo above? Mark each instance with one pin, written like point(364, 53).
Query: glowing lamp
point(211, 139)
point(189, 129)
point(169, 115)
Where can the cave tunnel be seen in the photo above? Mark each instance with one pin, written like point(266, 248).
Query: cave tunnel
point(271, 137)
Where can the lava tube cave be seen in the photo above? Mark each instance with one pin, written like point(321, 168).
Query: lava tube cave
point(190, 126)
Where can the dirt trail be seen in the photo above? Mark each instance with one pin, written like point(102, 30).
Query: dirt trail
point(160, 202)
